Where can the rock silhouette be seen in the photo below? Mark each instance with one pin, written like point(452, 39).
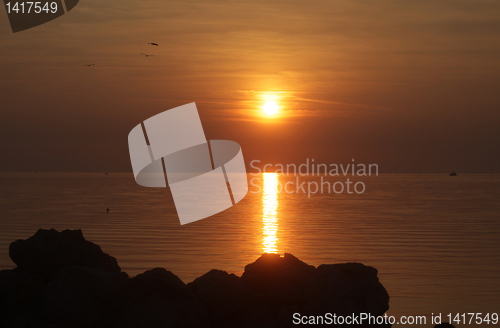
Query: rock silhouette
point(48, 251)
point(158, 298)
point(282, 279)
point(348, 288)
point(65, 281)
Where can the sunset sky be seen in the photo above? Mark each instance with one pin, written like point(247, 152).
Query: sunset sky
point(410, 85)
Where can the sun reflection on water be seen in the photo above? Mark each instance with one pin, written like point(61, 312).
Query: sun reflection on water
point(270, 213)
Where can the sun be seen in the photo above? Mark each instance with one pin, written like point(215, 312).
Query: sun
point(270, 108)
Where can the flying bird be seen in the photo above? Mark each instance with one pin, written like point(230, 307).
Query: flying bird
point(89, 65)
point(147, 55)
point(153, 44)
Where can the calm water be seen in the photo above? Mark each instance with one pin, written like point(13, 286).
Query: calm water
point(433, 238)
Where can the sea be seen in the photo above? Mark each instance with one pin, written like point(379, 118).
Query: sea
point(434, 238)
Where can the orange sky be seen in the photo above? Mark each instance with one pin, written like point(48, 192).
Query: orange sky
point(412, 86)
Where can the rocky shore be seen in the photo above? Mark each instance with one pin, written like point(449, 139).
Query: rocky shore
point(65, 281)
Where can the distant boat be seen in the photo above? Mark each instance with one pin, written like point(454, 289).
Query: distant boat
point(453, 174)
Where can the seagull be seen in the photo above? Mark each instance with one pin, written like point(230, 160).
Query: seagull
point(153, 44)
point(147, 55)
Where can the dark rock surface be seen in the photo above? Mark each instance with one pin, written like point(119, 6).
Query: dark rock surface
point(48, 251)
point(230, 302)
point(21, 298)
point(159, 299)
point(84, 297)
point(280, 278)
point(296, 287)
point(348, 288)
point(65, 281)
